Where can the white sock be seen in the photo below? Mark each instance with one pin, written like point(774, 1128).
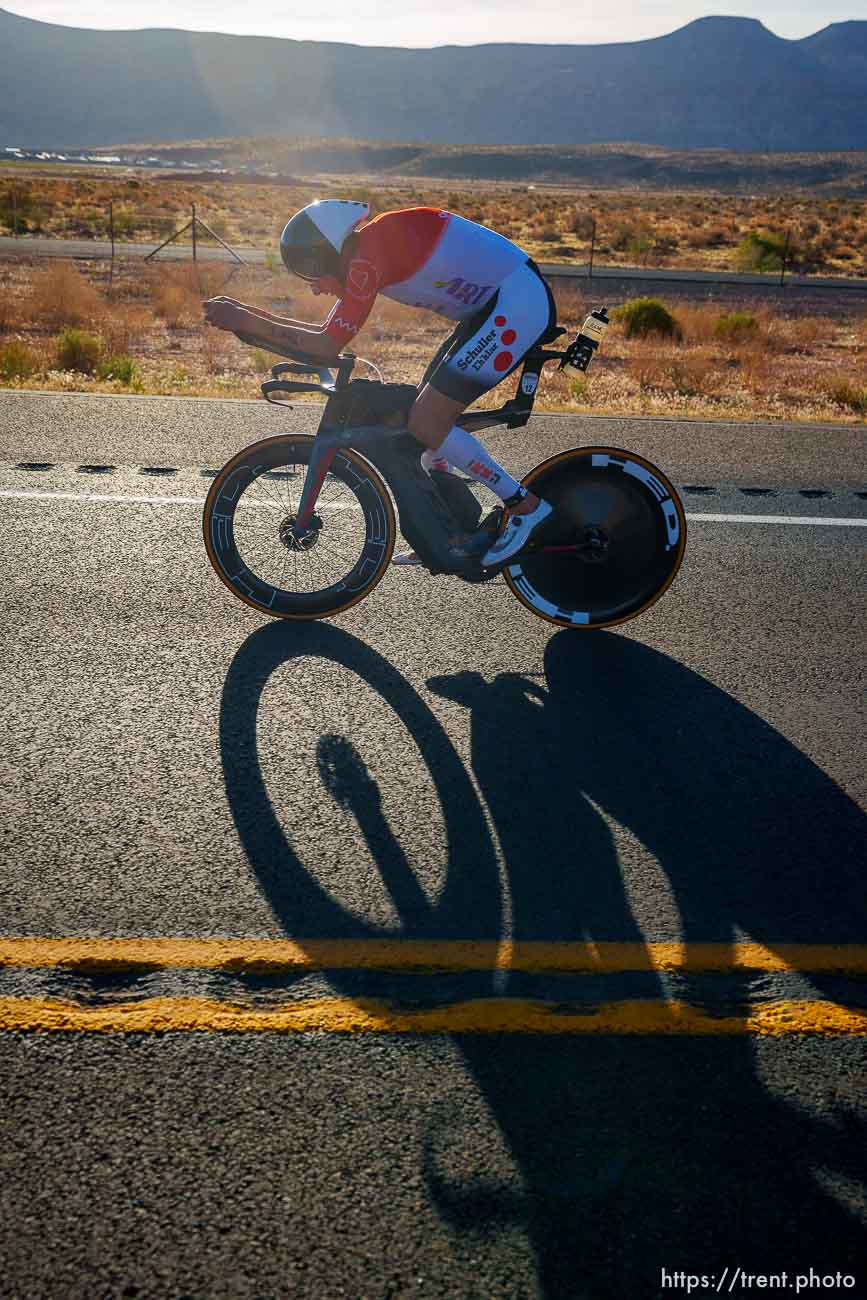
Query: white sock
point(433, 460)
point(465, 451)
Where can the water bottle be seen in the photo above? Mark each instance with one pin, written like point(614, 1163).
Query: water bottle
point(580, 353)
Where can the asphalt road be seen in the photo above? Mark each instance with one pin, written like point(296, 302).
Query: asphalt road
point(436, 765)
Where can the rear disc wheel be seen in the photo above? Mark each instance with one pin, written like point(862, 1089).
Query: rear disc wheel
point(613, 545)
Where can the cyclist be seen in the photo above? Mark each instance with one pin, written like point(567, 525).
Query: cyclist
point(424, 257)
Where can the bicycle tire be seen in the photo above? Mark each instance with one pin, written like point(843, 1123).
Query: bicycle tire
point(622, 528)
point(266, 479)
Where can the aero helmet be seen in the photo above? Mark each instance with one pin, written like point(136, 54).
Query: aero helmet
point(311, 242)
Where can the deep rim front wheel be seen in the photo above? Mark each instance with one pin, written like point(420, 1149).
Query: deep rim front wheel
point(613, 545)
point(257, 550)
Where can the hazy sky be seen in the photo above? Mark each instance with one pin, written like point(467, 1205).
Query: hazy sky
point(444, 22)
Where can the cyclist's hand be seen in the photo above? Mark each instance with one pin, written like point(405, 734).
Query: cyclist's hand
point(225, 313)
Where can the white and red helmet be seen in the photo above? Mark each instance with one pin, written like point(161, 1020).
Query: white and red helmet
point(312, 241)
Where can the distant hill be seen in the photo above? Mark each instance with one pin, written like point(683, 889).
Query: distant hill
point(627, 166)
point(717, 83)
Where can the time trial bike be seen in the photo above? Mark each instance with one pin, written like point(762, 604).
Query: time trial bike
point(303, 526)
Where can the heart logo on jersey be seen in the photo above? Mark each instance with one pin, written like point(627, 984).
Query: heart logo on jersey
point(361, 279)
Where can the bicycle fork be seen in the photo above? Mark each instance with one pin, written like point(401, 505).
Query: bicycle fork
point(320, 463)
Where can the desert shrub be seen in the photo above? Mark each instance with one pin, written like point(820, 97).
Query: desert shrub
point(62, 296)
point(640, 245)
point(762, 250)
point(666, 244)
point(121, 368)
point(582, 224)
point(21, 211)
point(125, 222)
point(77, 350)
point(622, 236)
point(644, 316)
point(17, 360)
point(179, 290)
point(707, 237)
point(845, 394)
point(697, 321)
point(736, 326)
point(173, 305)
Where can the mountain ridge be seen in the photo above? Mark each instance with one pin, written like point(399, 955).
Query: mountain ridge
point(718, 82)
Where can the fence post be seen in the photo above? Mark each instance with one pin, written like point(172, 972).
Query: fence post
point(14, 213)
point(194, 232)
point(592, 246)
point(785, 258)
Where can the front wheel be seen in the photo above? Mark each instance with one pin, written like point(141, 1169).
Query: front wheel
point(264, 560)
point(612, 546)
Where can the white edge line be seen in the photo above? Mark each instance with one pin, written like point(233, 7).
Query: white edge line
point(838, 522)
point(693, 517)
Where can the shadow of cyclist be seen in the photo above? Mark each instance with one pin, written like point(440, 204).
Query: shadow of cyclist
point(644, 1153)
point(634, 1154)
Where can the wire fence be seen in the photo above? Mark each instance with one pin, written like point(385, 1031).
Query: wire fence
point(596, 248)
point(118, 224)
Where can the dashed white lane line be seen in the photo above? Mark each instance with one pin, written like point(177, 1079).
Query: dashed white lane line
point(118, 499)
point(701, 516)
point(106, 499)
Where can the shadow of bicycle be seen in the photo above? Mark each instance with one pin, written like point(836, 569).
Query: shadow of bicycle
point(633, 1153)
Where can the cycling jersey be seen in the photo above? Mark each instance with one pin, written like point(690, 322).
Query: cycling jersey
point(423, 257)
point(488, 346)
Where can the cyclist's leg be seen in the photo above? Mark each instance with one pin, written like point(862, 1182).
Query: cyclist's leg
point(471, 363)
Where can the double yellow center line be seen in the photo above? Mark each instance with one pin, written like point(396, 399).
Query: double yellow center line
point(272, 957)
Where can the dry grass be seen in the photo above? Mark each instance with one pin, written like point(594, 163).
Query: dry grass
point(10, 313)
point(178, 290)
point(60, 295)
point(787, 366)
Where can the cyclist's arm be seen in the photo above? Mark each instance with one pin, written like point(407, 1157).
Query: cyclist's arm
point(263, 314)
point(254, 325)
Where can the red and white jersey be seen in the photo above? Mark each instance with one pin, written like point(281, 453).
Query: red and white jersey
point(423, 257)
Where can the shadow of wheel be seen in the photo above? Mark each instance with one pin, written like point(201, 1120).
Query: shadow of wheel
point(470, 903)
